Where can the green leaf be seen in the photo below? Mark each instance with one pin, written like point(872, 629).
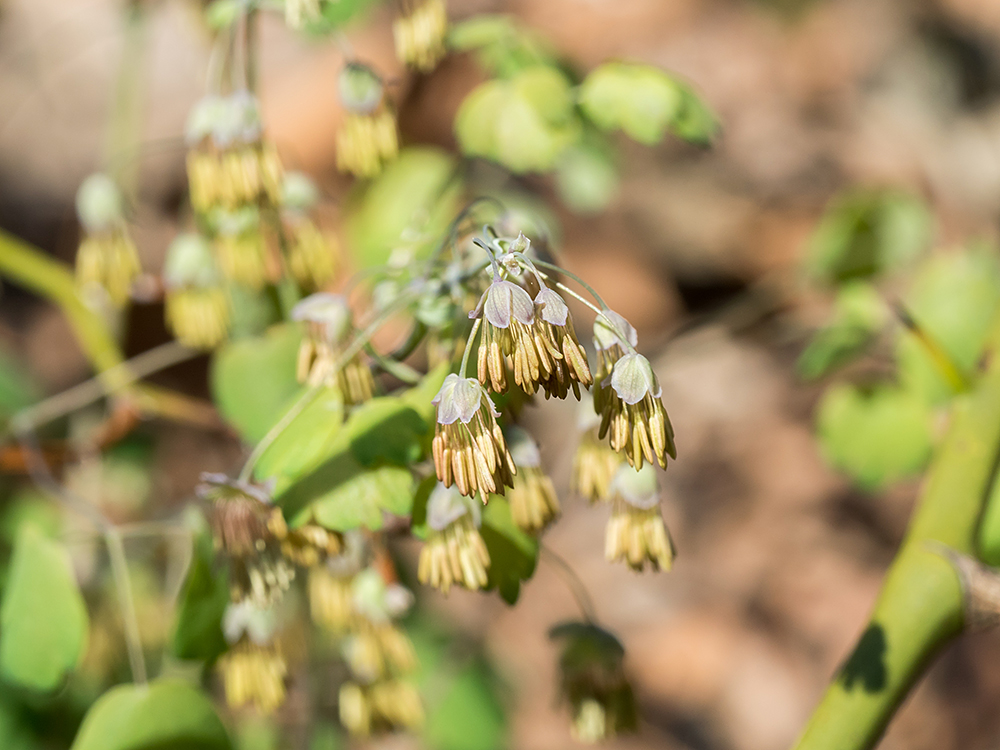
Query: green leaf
point(859, 314)
point(877, 435)
point(203, 601)
point(17, 389)
point(253, 380)
point(361, 497)
point(524, 123)
point(645, 103)
point(953, 299)
point(467, 716)
point(513, 553)
point(43, 618)
point(338, 13)
point(165, 715)
point(868, 232)
point(587, 179)
point(500, 46)
point(420, 396)
point(416, 195)
point(989, 528)
point(222, 13)
point(306, 442)
point(386, 429)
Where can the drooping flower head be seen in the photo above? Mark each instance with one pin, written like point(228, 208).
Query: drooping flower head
point(454, 552)
point(508, 315)
point(107, 261)
point(229, 163)
point(300, 12)
point(593, 682)
point(367, 138)
point(330, 596)
point(420, 34)
point(240, 247)
point(249, 530)
point(628, 396)
point(595, 463)
point(636, 532)
point(311, 252)
point(469, 447)
point(563, 359)
point(533, 500)
point(328, 322)
point(383, 706)
point(197, 305)
point(376, 649)
point(254, 669)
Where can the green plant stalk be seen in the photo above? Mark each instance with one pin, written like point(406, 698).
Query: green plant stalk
point(32, 269)
point(921, 605)
point(125, 127)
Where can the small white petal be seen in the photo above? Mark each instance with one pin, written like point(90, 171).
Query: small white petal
point(447, 410)
point(329, 310)
point(446, 505)
point(552, 307)
point(640, 489)
point(632, 378)
point(506, 301)
point(610, 328)
point(523, 448)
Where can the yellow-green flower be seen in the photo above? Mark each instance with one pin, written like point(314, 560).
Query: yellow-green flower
point(454, 552)
point(254, 669)
point(469, 447)
point(250, 531)
point(636, 533)
point(595, 463)
point(533, 500)
point(563, 359)
point(311, 253)
point(593, 682)
point(420, 34)
point(328, 322)
point(383, 706)
point(240, 247)
point(508, 315)
point(367, 138)
point(196, 305)
point(107, 260)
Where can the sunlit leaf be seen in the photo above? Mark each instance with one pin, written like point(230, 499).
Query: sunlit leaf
point(587, 179)
point(360, 497)
point(501, 47)
point(386, 429)
point(875, 435)
point(408, 205)
point(165, 715)
point(253, 380)
point(43, 618)
point(859, 313)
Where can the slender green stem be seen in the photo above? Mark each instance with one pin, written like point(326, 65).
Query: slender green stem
point(130, 621)
point(577, 279)
point(941, 359)
point(251, 48)
point(921, 605)
point(573, 582)
point(125, 130)
point(468, 346)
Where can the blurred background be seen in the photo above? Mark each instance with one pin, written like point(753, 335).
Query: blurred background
point(779, 557)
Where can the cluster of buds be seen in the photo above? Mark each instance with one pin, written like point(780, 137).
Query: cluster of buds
point(229, 163)
point(469, 447)
point(420, 34)
point(533, 500)
point(593, 682)
point(595, 463)
point(636, 532)
point(454, 553)
point(254, 668)
point(380, 707)
point(107, 261)
point(328, 322)
point(628, 396)
point(241, 248)
point(367, 137)
point(311, 252)
point(197, 303)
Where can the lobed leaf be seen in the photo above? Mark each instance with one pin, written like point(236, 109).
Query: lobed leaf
point(513, 552)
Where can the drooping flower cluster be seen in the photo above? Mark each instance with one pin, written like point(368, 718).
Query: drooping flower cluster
point(328, 321)
point(420, 34)
point(253, 669)
point(593, 682)
point(636, 533)
point(469, 447)
point(595, 463)
point(197, 304)
point(533, 500)
point(628, 396)
point(311, 252)
point(367, 138)
point(107, 261)
point(454, 552)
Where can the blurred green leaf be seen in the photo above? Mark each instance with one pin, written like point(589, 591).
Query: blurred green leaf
point(875, 435)
point(645, 103)
point(222, 13)
point(586, 178)
point(859, 314)
point(336, 14)
point(253, 380)
point(410, 203)
point(989, 528)
point(43, 618)
point(359, 497)
point(203, 601)
point(864, 233)
point(500, 46)
point(14, 734)
point(165, 715)
point(17, 389)
point(386, 429)
point(524, 123)
point(953, 298)
point(513, 553)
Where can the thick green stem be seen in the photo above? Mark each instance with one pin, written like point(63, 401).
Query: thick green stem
point(51, 279)
point(921, 606)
